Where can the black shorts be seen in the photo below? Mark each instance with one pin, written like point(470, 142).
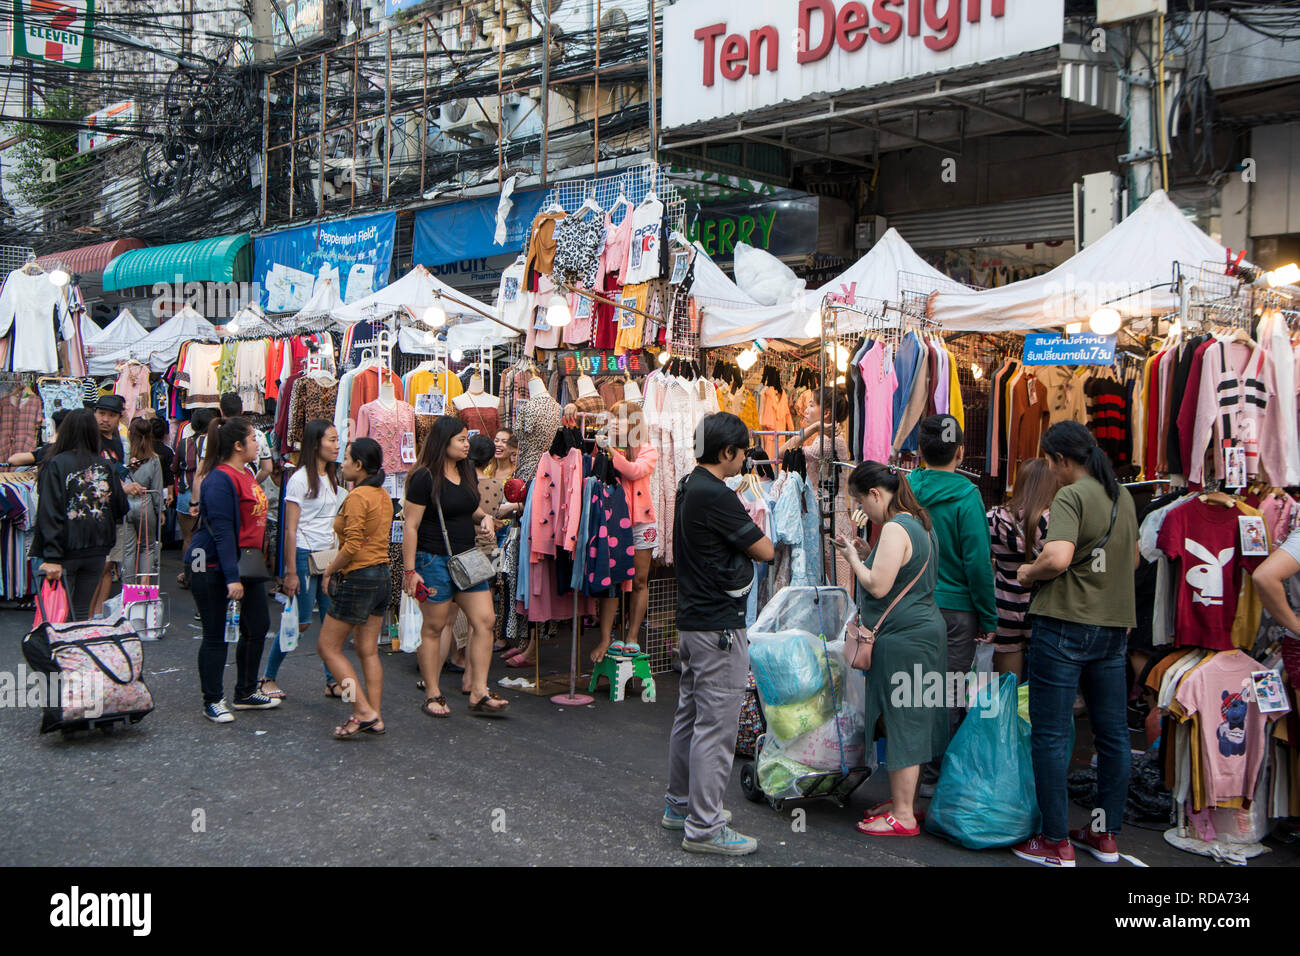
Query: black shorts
point(360, 594)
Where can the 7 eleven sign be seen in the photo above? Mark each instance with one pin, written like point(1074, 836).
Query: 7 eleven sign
point(58, 32)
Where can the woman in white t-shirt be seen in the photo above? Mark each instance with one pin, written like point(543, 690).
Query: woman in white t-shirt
point(312, 497)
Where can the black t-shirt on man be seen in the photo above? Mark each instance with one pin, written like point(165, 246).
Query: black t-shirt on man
point(710, 538)
point(458, 506)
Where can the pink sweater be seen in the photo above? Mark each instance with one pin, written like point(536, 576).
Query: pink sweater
point(634, 476)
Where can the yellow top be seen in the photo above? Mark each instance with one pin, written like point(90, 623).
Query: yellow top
point(424, 382)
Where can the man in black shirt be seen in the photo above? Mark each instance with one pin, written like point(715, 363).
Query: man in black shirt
point(714, 546)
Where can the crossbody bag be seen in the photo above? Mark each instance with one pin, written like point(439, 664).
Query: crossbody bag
point(469, 568)
point(864, 641)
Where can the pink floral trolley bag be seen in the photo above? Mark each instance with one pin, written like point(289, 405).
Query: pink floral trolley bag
point(91, 673)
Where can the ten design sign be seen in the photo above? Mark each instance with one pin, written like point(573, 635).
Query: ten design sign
point(60, 32)
point(1048, 349)
point(733, 59)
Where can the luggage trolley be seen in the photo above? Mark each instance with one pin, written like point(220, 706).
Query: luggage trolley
point(143, 603)
point(801, 625)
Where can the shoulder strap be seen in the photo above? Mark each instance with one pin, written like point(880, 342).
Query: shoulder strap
point(1114, 513)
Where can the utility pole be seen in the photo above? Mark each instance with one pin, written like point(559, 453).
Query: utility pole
point(1143, 152)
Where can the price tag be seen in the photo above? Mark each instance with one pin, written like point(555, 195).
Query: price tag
point(396, 536)
point(681, 261)
point(437, 403)
point(423, 405)
point(390, 485)
point(583, 311)
point(401, 485)
point(473, 432)
point(539, 320)
point(627, 318)
point(408, 447)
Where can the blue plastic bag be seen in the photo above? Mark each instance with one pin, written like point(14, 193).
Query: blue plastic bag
point(985, 796)
point(788, 666)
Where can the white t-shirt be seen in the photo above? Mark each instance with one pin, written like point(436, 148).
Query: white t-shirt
point(513, 299)
point(643, 247)
point(316, 518)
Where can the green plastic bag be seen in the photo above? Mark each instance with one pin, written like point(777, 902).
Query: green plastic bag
point(985, 796)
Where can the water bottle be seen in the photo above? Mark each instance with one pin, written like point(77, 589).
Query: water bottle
point(232, 622)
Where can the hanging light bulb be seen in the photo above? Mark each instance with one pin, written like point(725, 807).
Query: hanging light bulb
point(1287, 275)
point(840, 355)
point(841, 380)
point(977, 371)
point(435, 314)
point(1105, 322)
point(557, 312)
point(232, 327)
point(60, 277)
point(664, 357)
point(457, 355)
point(746, 359)
point(430, 338)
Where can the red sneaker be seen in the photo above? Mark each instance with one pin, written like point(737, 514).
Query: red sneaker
point(1044, 852)
point(1100, 845)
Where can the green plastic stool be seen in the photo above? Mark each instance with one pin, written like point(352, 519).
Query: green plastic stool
point(619, 670)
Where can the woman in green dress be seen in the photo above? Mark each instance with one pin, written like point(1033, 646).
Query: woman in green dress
point(912, 642)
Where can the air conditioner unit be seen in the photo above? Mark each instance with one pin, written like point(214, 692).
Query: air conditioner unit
point(613, 24)
point(467, 119)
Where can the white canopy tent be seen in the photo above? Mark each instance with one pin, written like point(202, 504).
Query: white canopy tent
point(712, 285)
point(881, 275)
point(1129, 269)
point(324, 300)
point(161, 346)
point(416, 290)
point(119, 334)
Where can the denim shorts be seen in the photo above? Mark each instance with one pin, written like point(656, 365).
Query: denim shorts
point(361, 594)
point(432, 568)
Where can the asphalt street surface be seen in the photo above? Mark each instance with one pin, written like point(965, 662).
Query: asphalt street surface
point(545, 785)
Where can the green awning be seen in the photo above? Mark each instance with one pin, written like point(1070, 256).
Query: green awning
point(226, 259)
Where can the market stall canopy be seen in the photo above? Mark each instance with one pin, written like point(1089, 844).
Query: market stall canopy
point(122, 332)
point(416, 290)
point(324, 300)
point(715, 286)
point(225, 259)
point(1129, 269)
point(89, 260)
point(888, 270)
point(161, 346)
point(476, 335)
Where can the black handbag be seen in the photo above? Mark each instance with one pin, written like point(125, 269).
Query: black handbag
point(252, 561)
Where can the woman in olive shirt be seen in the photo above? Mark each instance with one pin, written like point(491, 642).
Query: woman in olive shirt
point(357, 580)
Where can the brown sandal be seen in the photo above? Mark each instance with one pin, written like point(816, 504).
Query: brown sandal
point(441, 701)
point(361, 726)
point(482, 705)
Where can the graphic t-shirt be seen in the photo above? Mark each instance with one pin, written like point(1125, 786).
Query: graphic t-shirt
point(644, 245)
point(513, 299)
point(252, 507)
point(711, 533)
point(1203, 542)
point(1233, 731)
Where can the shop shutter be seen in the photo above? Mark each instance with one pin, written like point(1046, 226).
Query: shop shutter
point(1045, 219)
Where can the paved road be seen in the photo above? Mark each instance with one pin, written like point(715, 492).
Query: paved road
point(563, 786)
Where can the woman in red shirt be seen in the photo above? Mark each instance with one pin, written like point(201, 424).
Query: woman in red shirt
point(232, 519)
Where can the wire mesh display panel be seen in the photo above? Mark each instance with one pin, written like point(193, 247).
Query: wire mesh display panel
point(14, 257)
point(1209, 297)
point(631, 185)
point(660, 641)
point(978, 357)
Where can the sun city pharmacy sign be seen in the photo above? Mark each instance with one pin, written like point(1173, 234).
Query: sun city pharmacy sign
point(731, 59)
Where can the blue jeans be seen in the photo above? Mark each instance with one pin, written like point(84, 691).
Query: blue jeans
point(310, 594)
point(1065, 657)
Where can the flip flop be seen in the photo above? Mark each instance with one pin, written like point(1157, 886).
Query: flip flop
point(895, 828)
point(361, 725)
point(331, 686)
point(441, 701)
point(273, 694)
point(481, 707)
point(520, 662)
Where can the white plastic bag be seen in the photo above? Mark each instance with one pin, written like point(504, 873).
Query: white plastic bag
point(289, 626)
point(409, 624)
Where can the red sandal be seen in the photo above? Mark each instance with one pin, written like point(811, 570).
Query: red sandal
point(895, 828)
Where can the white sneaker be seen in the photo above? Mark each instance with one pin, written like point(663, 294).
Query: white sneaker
point(218, 713)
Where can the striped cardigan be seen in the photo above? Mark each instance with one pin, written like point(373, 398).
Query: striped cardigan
point(1008, 554)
